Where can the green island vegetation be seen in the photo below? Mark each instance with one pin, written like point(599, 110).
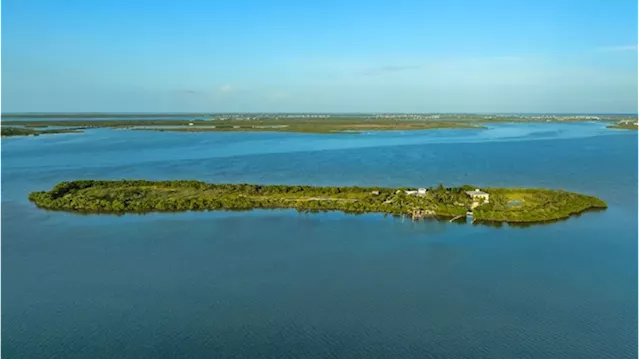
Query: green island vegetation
point(625, 126)
point(18, 131)
point(512, 205)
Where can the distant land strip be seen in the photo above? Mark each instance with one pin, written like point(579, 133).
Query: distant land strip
point(312, 123)
point(18, 131)
point(329, 125)
point(625, 126)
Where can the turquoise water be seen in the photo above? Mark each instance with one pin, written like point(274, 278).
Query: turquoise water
point(279, 284)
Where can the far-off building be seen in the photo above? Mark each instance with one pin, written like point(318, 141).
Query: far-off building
point(478, 195)
point(420, 192)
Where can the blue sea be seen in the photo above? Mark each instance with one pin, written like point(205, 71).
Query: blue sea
point(279, 284)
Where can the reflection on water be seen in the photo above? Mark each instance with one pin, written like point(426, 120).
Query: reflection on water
point(455, 220)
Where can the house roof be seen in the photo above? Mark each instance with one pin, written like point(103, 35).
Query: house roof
point(477, 192)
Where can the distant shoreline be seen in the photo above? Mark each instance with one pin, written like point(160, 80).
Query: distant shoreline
point(624, 126)
point(18, 131)
point(297, 114)
point(302, 125)
point(310, 124)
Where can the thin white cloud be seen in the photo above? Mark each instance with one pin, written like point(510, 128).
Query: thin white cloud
point(621, 48)
point(389, 68)
point(227, 88)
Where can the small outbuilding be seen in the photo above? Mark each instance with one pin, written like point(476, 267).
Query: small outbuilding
point(478, 195)
point(375, 192)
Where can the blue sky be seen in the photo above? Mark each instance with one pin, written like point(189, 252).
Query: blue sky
point(325, 56)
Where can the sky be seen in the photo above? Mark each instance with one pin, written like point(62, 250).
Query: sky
point(543, 56)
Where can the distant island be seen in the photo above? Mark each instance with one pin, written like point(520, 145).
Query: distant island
point(300, 123)
point(18, 131)
point(512, 205)
point(625, 125)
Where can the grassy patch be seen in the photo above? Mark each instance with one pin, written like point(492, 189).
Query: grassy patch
point(624, 126)
point(536, 205)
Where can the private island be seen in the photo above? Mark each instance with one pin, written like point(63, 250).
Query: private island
point(511, 205)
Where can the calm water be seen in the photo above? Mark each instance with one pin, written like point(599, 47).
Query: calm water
point(278, 284)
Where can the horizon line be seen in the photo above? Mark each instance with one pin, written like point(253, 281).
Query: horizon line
point(316, 113)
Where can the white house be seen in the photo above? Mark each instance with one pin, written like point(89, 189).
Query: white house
point(478, 195)
point(419, 192)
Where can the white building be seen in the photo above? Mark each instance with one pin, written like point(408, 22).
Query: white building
point(478, 195)
point(420, 192)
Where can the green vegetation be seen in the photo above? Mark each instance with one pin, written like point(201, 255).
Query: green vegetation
point(139, 196)
point(304, 125)
point(533, 205)
point(97, 115)
point(315, 126)
point(625, 126)
point(102, 123)
point(17, 131)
